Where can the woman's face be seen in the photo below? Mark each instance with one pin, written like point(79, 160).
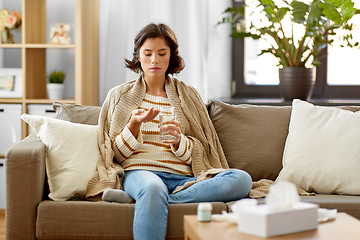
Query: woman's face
point(154, 57)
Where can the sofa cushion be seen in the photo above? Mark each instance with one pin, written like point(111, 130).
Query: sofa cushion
point(77, 113)
point(72, 153)
point(322, 151)
point(343, 203)
point(252, 137)
point(103, 220)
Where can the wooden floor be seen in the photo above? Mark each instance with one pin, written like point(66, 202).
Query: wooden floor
point(2, 224)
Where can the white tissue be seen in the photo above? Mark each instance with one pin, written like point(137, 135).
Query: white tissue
point(282, 195)
point(236, 207)
point(224, 216)
point(326, 214)
point(243, 203)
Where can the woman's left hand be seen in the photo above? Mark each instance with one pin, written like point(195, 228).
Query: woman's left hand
point(173, 129)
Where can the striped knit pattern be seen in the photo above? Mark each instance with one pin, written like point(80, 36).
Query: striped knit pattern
point(147, 151)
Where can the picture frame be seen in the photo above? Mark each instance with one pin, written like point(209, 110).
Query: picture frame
point(11, 83)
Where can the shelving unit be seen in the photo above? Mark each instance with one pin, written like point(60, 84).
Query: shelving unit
point(34, 46)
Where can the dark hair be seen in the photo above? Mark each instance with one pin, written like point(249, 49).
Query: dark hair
point(152, 30)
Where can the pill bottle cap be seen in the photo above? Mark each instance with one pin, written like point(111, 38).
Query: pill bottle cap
point(205, 206)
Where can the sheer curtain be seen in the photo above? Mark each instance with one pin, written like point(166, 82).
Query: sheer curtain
point(205, 47)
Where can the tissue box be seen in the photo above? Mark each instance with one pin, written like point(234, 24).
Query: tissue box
point(261, 221)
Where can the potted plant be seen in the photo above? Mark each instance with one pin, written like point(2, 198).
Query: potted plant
point(55, 86)
point(316, 23)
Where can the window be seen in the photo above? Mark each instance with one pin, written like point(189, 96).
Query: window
point(255, 76)
point(346, 71)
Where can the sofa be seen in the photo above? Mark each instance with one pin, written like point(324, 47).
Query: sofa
point(253, 139)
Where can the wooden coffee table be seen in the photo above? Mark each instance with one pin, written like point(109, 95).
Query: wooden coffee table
point(343, 227)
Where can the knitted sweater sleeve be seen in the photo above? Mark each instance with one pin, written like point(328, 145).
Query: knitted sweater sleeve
point(185, 149)
point(125, 144)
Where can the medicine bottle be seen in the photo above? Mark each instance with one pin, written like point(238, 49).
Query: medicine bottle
point(204, 212)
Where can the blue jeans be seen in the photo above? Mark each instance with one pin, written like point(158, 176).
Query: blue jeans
point(152, 192)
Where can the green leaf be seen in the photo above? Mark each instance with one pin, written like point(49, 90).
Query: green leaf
point(300, 10)
point(315, 13)
point(330, 12)
point(346, 6)
point(282, 12)
point(233, 9)
point(267, 2)
point(269, 50)
point(316, 63)
point(270, 13)
point(229, 10)
point(244, 35)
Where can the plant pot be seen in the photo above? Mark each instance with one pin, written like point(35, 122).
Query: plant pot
point(55, 90)
point(297, 82)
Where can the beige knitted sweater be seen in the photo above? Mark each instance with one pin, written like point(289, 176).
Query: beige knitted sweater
point(208, 156)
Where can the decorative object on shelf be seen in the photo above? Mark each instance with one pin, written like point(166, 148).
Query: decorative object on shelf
point(296, 31)
point(7, 82)
point(60, 33)
point(10, 82)
point(9, 21)
point(55, 86)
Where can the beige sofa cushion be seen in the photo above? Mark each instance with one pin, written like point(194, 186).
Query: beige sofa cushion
point(103, 220)
point(322, 152)
point(77, 113)
point(253, 137)
point(343, 203)
point(71, 154)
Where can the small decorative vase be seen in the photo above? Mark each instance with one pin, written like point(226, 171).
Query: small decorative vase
point(297, 82)
point(55, 90)
point(6, 36)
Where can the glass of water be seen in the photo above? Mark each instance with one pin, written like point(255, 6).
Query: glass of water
point(166, 115)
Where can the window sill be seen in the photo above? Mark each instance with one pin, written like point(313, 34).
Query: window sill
point(281, 102)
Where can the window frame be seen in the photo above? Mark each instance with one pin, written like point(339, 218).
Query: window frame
point(322, 90)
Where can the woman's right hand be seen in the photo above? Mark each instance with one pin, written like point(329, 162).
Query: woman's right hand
point(140, 116)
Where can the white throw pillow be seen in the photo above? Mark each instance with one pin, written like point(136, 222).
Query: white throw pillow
point(322, 149)
point(72, 153)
